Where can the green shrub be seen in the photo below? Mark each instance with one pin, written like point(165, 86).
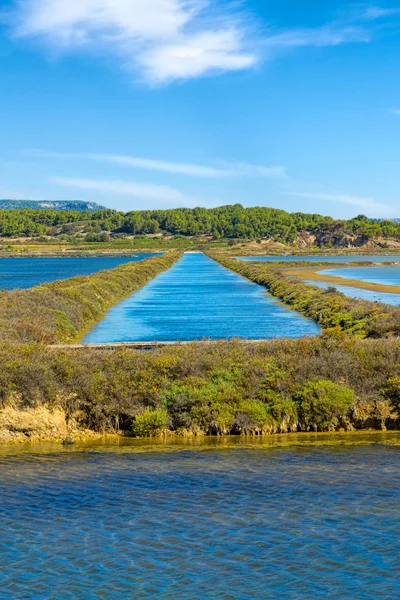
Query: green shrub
point(151, 422)
point(253, 416)
point(323, 404)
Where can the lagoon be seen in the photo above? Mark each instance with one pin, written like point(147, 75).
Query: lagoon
point(28, 272)
point(260, 523)
point(359, 293)
point(379, 275)
point(198, 298)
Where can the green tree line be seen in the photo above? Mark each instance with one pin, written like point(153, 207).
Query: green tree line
point(232, 221)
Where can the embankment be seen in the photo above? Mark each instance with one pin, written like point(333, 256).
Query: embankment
point(329, 308)
point(312, 384)
point(61, 312)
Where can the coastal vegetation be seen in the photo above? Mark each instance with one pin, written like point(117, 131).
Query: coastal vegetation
point(336, 381)
point(232, 387)
point(232, 222)
point(61, 311)
point(332, 310)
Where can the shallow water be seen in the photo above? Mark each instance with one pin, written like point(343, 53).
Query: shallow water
point(354, 292)
point(311, 522)
point(321, 258)
point(382, 275)
point(28, 272)
point(198, 298)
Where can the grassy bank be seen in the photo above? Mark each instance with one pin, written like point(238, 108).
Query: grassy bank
point(312, 384)
point(332, 310)
point(62, 311)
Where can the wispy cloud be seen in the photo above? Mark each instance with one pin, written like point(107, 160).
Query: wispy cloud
point(167, 40)
point(396, 111)
point(361, 202)
point(225, 169)
point(371, 13)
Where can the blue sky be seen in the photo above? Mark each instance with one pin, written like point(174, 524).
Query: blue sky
point(166, 103)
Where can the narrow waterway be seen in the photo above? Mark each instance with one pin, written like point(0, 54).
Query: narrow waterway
point(198, 298)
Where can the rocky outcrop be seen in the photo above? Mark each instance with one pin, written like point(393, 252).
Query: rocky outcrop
point(39, 424)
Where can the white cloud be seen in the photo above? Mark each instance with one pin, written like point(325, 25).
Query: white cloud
point(227, 169)
point(164, 39)
point(365, 203)
point(396, 111)
point(167, 40)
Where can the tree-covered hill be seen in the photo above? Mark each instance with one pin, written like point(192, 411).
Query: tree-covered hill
point(228, 222)
point(49, 205)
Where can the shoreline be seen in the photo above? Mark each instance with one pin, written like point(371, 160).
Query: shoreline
point(313, 274)
point(109, 442)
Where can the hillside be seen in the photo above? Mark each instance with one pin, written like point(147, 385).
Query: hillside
point(232, 223)
point(49, 205)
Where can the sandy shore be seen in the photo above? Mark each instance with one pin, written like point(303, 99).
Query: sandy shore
point(313, 274)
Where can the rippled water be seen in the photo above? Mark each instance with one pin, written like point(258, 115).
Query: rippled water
point(28, 272)
point(198, 298)
point(316, 522)
point(382, 275)
point(321, 258)
point(354, 292)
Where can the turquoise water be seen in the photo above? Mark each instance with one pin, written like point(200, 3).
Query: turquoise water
point(316, 522)
point(382, 275)
point(320, 258)
point(28, 272)
point(353, 292)
point(198, 298)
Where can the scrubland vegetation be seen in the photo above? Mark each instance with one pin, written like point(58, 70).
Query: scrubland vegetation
point(332, 382)
point(225, 222)
point(312, 384)
point(331, 309)
point(63, 310)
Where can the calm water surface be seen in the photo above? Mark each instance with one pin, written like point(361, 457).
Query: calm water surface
point(383, 275)
point(198, 298)
point(27, 272)
point(316, 522)
point(353, 292)
point(329, 258)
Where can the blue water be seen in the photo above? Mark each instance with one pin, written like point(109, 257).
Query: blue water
point(353, 292)
point(198, 298)
point(28, 272)
point(330, 258)
point(382, 275)
point(280, 524)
